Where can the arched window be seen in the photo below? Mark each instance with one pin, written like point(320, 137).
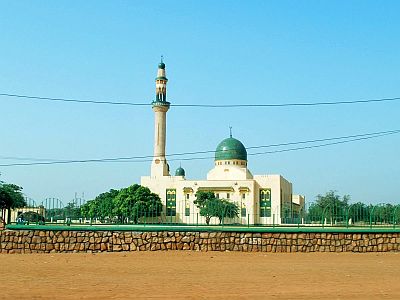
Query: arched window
point(265, 203)
point(171, 203)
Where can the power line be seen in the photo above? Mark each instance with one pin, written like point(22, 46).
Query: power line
point(27, 158)
point(287, 104)
point(73, 100)
point(297, 148)
point(324, 145)
point(206, 151)
point(140, 158)
point(327, 139)
point(87, 101)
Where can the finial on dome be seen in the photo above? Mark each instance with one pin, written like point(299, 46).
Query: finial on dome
point(180, 171)
point(161, 65)
point(230, 131)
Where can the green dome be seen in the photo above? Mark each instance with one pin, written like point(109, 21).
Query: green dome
point(180, 172)
point(161, 65)
point(229, 149)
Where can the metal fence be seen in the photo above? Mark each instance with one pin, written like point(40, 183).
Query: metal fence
point(348, 216)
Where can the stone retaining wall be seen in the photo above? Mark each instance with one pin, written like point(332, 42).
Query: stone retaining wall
point(38, 241)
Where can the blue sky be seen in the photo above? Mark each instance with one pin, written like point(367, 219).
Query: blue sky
point(216, 52)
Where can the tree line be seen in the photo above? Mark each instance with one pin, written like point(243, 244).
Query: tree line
point(137, 203)
point(333, 208)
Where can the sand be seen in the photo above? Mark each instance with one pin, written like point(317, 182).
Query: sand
point(197, 275)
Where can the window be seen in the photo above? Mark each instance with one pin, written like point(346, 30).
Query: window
point(171, 203)
point(243, 211)
point(228, 196)
point(187, 208)
point(217, 195)
point(265, 202)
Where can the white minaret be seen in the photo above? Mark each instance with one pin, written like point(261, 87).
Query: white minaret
point(159, 166)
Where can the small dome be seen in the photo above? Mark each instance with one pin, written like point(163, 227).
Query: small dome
point(161, 65)
point(229, 149)
point(180, 172)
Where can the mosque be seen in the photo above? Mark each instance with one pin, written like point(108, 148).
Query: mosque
point(262, 199)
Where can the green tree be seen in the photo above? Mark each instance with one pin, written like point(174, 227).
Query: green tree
point(135, 202)
point(382, 213)
point(72, 211)
point(396, 214)
point(10, 197)
point(32, 216)
point(358, 212)
point(330, 206)
point(87, 210)
point(226, 209)
point(314, 213)
point(102, 207)
point(206, 202)
point(210, 206)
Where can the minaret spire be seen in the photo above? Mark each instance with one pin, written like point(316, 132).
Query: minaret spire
point(161, 83)
point(159, 166)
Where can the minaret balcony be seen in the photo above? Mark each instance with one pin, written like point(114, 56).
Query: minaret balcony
point(160, 103)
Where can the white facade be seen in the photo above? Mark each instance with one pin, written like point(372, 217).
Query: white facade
point(260, 198)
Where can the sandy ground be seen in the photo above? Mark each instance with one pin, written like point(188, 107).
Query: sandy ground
point(195, 275)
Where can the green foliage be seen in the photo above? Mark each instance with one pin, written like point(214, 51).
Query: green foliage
point(131, 203)
point(135, 202)
point(330, 207)
point(11, 197)
point(203, 197)
point(210, 206)
point(226, 209)
point(31, 216)
point(72, 211)
point(382, 214)
point(55, 214)
point(206, 202)
point(336, 210)
point(359, 212)
point(332, 199)
point(101, 207)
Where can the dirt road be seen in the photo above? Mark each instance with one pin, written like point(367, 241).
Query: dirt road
point(195, 275)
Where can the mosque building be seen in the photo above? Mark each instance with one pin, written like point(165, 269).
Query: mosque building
point(262, 199)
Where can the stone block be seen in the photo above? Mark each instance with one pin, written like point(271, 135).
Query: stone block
point(117, 248)
point(186, 239)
